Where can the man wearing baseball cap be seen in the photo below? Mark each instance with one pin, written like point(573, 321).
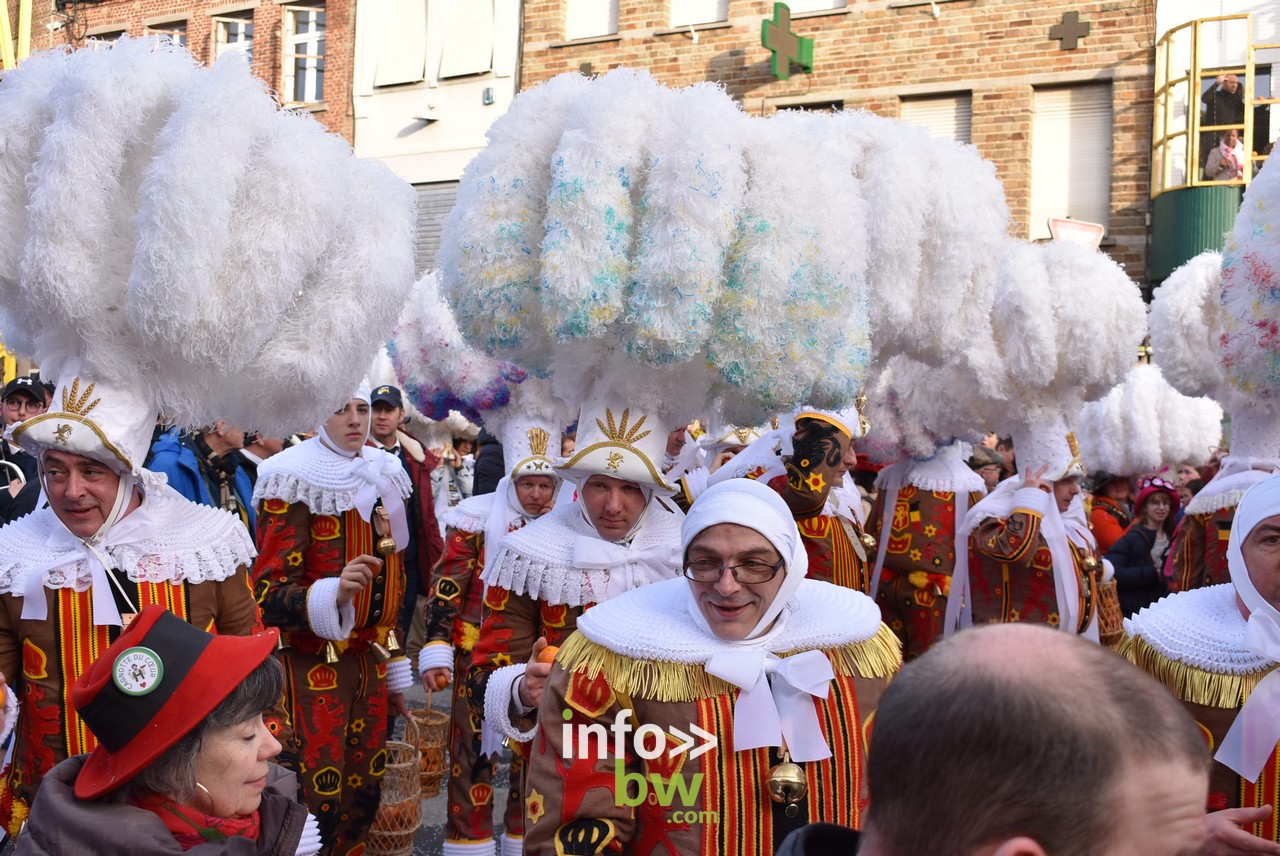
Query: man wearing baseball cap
point(23, 398)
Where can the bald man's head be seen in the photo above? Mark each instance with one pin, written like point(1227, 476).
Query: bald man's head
point(1015, 730)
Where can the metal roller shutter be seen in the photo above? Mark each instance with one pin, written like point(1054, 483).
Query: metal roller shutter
point(946, 116)
point(1070, 156)
point(434, 202)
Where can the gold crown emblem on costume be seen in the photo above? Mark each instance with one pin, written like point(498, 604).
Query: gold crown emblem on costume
point(74, 402)
point(619, 432)
point(538, 439)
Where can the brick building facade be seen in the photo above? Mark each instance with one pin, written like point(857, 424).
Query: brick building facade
point(992, 69)
point(302, 50)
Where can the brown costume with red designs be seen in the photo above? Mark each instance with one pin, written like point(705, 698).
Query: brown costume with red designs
point(919, 559)
point(1198, 552)
point(1011, 573)
point(454, 614)
point(333, 720)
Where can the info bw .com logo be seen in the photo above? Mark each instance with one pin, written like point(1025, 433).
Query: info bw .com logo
point(649, 742)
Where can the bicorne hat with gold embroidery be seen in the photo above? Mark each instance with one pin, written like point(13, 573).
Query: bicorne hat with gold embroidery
point(530, 446)
point(94, 418)
point(621, 441)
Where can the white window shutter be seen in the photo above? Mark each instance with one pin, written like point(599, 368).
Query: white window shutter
point(585, 19)
point(402, 48)
point(948, 116)
point(685, 13)
point(468, 41)
point(1070, 156)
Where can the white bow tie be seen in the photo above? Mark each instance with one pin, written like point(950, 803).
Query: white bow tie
point(769, 711)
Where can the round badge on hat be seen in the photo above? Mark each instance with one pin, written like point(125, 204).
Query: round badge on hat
point(138, 671)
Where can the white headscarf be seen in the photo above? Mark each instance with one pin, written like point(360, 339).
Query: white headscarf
point(1256, 731)
point(756, 506)
point(776, 704)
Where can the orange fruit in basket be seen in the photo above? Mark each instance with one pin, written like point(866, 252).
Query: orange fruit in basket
point(548, 654)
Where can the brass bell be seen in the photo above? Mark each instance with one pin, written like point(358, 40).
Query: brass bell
point(381, 652)
point(1090, 563)
point(386, 546)
point(787, 785)
point(330, 653)
point(868, 540)
point(393, 644)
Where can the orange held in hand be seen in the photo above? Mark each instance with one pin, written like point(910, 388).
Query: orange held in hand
point(548, 654)
point(441, 682)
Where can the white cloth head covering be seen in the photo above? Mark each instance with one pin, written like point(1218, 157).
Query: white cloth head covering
point(775, 706)
point(1256, 730)
point(755, 506)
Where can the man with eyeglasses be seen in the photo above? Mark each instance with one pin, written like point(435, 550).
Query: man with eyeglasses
point(714, 713)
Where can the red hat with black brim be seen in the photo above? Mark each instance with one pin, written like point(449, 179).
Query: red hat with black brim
point(151, 688)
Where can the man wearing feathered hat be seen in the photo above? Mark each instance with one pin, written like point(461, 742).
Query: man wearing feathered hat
point(774, 677)
point(333, 525)
point(618, 535)
point(477, 528)
point(113, 539)
point(1030, 558)
point(1216, 649)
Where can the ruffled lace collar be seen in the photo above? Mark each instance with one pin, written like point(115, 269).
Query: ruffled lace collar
point(652, 623)
point(538, 560)
point(189, 543)
point(1202, 628)
point(323, 480)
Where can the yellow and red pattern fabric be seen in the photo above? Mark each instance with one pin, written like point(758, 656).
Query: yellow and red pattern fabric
point(919, 559)
point(828, 541)
point(725, 807)
point(1198, 554)
point(333, 717)
point(1011, 574)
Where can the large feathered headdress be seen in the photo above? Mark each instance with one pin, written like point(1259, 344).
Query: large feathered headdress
point(167, 233)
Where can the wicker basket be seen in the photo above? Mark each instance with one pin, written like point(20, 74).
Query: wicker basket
point(433, 741)
point(1110, 615)
point(400, 809)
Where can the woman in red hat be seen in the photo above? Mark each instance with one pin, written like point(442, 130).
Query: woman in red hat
point(1139, 555)
point(183, 761)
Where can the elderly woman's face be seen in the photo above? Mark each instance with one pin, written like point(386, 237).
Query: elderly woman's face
point(232, 767)
point(733, 608)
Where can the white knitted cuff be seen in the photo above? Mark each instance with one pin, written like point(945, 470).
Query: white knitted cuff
point(327, 619)
point(511, 846)
point(1032, 499)
point(310, 843)
point(497, 703)
point(10, 713)
point(488, 847)
point(399, 675)
point(435, 655)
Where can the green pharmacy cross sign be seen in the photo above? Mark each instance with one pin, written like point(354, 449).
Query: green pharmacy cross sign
point(787, 47)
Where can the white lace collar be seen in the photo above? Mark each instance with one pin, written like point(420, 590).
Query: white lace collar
point(538, 560)
point(323, 480)
point(469, 515)
point(189, 543)
point(1202, 628)
point(652, 623)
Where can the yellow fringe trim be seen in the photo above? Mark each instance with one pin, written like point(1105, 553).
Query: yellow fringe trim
point(1188, 683)
point(878, 657)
